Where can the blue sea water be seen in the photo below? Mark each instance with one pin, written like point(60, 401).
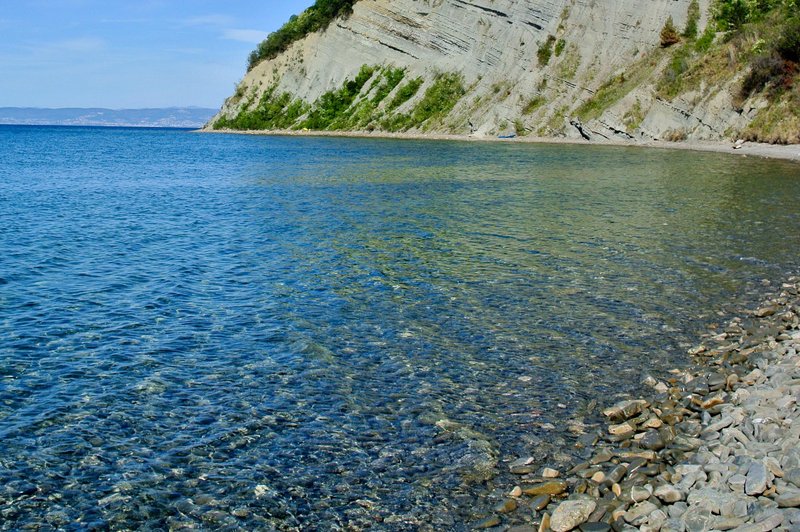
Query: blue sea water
point(239, 333)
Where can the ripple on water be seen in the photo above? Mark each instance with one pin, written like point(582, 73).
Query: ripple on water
point(236, 332)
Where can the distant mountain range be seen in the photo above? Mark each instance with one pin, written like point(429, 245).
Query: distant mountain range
point(190, 117)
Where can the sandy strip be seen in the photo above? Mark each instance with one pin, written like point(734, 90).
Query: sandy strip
point(789, 152)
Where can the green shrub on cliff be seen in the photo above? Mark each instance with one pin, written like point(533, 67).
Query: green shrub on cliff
point(669, 34)
point(316, 17)
point(733, 14)
point(274, 111)
point(439, 98)
point(692, 19)
point(333, 105)
point(391, 79)
point(545, 51)
point(404, 93)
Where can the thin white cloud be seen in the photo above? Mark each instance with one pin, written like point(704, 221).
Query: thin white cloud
point(219, 21)
point(82, 44)
point(248, 36)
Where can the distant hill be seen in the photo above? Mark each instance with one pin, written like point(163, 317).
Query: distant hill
point(191, 117)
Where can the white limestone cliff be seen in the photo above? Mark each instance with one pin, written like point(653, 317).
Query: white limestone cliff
point(493, 44)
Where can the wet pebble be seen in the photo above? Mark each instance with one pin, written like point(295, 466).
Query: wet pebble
point(570, 514)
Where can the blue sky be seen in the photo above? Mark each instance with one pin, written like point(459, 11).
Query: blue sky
point(137, 53)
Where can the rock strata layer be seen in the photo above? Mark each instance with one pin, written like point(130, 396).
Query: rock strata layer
point(724, 453)
point(527, 68)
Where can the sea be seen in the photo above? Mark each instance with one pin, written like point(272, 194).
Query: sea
point(229, 332)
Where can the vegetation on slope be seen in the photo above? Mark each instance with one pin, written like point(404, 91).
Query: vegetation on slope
point(355, 105)
point(759, 38)
point(315, 18)
point(762, 39)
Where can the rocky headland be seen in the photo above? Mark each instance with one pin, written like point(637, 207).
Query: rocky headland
point(617, 70)
point(713, 447)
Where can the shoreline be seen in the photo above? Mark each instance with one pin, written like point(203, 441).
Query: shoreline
point(716, 446)
point(787, 152)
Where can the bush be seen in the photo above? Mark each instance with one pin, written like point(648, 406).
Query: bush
point(703, 44)
point(669, 34)
point(391, 79)
point(692, 18)
point(560, 45)
point(733, 14)
point(404, 93)
point(789, 44)
point(765, 70)
point(333, 105)
point(315, 18)
point(440, 98)
point(546, 51)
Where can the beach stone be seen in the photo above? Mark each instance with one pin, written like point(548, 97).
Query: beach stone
point(550, 473)
point(639, 494)
point(638, 514)
point(594, 527)
point(789, 499)
point(652, 440)
point(623, 429)
point(616, 474)
point(792, 476)
point(598, 477)
point(489, 522)
point(697, 385)
point(570, 514)
point(668, 493)
point(773, 466)
point(718, 502)
point(540, 502)
point(766, 311)
point(506, 506)
point(525, 460)
point(602, 456)
point(677, 509)
point(741, 508)
point(635, 465)
point(721, 423)
point(712, 402)
point(772, 522)
point(737, 482)
point(522, 469)
point(521, 528)
point(657, 519)
point(791, 459)
point(727, 523)
point(696, 520)
point(756, 482)
point(544, 526)
point(650, 456)
point(653, 423)
point(792, 515)
point(552, 487)
point(625, 409)
point(516, 492)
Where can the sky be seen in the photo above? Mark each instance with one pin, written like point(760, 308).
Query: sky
point(130, 54)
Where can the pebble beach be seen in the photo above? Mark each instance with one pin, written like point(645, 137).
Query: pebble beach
point(713, 447)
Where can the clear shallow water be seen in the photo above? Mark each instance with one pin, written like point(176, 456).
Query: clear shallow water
point(239, 332)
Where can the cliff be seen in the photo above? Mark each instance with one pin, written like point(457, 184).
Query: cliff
point(574, 68)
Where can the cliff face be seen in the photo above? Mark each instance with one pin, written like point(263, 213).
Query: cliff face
point(545, 67)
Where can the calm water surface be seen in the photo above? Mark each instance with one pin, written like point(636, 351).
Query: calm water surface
point(232, 332)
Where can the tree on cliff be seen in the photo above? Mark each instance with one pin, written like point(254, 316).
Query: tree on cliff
point(315, 18)
point(669, 34)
